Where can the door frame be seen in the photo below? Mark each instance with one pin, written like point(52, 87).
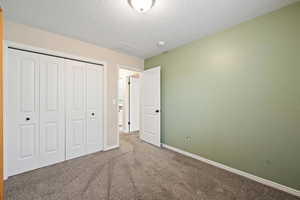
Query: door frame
point(131, 68)
point(6, 44)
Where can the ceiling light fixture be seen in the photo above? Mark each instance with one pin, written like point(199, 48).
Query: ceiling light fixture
point(161, 43)
point(141, 6)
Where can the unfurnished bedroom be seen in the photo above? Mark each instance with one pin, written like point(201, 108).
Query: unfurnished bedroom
point(150, 100)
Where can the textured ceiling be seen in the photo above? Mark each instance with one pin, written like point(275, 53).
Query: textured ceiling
point(113, 24)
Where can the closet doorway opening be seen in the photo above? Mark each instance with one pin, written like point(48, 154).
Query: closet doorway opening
point(129, 90)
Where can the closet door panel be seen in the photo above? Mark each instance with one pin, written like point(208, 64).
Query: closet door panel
point(94, 100)
point(23, 111)
point(52, 120)
point(76, 107)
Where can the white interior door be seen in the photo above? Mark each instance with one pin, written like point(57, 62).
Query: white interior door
point(22, 112)
point(52, 116)
point(134, 102)
point(76, 107)
point(150, 96)
point(94, 104)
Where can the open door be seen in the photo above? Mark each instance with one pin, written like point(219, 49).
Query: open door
point(150, 106)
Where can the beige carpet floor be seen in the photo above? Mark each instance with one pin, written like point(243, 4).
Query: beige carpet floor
point(136, 171)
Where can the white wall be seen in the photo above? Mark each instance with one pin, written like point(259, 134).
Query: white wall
point(38, 38)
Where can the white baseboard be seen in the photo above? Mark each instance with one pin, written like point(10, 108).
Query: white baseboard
point(236, 171)
point(111, 148)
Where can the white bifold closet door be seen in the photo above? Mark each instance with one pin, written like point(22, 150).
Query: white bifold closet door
point(23, 112)
point(94, 108)
point(54, 110)
point(76, 106)
point(52, 115)
point(84, 132)
point(35, 111)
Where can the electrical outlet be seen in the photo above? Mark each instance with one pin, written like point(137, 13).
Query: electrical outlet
point(268, 162)
point(188, 139)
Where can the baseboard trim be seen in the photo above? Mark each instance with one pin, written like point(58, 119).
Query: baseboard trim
point(111, 148)
point(236, 171)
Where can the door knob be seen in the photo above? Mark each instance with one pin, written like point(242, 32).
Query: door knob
point(93, 114)
point(27, 118)
point(157, 111)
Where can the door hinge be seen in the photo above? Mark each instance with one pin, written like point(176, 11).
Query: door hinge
point(128, 123)
point(129, 83)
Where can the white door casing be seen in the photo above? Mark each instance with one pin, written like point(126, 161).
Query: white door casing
point(52, 115)
point(150, 106)
point(23, 112)
point(75, 109)
point(94, 106)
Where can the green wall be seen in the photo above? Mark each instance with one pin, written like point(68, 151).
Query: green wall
point(237, 95)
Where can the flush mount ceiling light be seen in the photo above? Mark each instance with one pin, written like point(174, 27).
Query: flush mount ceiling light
point(161, 43)
point(141, 6)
